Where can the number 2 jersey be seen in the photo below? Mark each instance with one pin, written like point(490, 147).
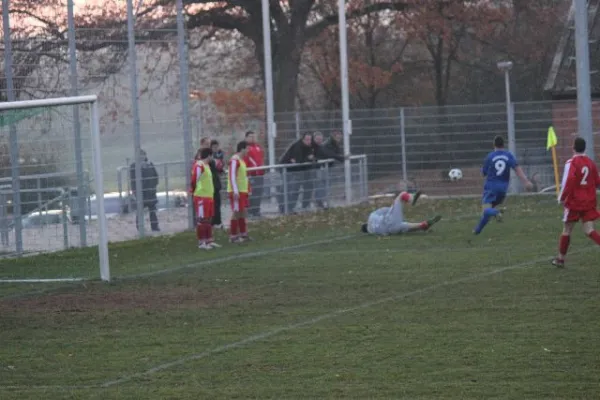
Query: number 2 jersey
point(496, 169)
point(579, 183)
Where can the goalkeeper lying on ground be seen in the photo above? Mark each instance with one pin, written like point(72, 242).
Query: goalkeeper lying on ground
point(390, 220)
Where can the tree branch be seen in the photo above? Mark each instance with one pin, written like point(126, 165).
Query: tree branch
point(315, 29)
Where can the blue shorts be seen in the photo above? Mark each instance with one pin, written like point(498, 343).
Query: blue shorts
point(493, 197)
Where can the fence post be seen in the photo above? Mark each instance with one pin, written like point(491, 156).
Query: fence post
point(64, 220)
point(4, 191)
point(403, 144)
point(512, 145)
point(327, 183)
point(166, 173)
point(297, 125)
point(285, 190)
point(366, 183)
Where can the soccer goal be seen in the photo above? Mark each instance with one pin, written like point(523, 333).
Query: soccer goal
point(50, 179)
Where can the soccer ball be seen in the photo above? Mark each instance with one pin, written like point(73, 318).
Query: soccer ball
point(455, 174)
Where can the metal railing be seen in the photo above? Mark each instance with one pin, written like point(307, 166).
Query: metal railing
point(281, 182)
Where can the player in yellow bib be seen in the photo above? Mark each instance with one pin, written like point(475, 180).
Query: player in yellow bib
point(238, 190)
point(203, 191)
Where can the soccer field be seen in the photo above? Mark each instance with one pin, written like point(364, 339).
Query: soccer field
point(314, 309)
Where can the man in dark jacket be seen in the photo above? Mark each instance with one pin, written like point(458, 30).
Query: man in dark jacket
point(300, 176)
point(334, 144)
point(149, 185)
point(324, 152)
point(216, 165)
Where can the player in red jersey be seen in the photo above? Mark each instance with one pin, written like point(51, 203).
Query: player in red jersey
point(578, 196)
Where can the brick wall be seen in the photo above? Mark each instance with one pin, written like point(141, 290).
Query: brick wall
point(564, 117)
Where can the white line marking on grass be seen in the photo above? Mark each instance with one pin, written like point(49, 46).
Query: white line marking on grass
point(217, 260)
point(42, 280)
point(267, 334)
point(235, 257)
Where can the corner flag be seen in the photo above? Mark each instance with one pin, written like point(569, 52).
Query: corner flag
point(552, 140)
point(551, 143)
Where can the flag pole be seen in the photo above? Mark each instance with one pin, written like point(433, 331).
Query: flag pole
point(551, 143)
point(555, 162)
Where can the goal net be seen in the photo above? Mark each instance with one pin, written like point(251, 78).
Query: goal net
point(50, 178)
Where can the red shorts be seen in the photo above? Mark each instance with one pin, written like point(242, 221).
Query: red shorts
point(583, 216)
point(204, 207)
point(239, 205)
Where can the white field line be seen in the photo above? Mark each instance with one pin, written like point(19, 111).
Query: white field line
point(206, 262)
point(217, 260)
point(267, 334)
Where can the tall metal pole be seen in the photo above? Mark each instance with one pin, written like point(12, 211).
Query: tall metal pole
point(81, 186)
point(345, 97)
point(137, 142)
point(266, 21)
point(14, 144)
point(185, 110)
point(510, 117)
point(584, 96)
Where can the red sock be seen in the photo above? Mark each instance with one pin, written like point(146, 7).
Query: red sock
point(595, 236)
point(200, 232)
point(243, 227)
point(209, 233)
point(233, 229)
point(424, 225)
point(405, 197)
point(563, 244)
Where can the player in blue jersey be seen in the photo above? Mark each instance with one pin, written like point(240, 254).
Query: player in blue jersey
point(496, 170)
point(390, 220)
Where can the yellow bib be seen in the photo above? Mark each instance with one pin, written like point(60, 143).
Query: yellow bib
point(241, 178)
point(204, 185)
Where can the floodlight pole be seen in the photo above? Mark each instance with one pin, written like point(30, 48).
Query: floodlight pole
point(137, 141)
point(345, 97)
point(14, 140)
point(506, 66)
point(271, 133)
point(81, 186)
point(584, 96)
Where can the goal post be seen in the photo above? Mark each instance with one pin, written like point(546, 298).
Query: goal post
point(95, 147)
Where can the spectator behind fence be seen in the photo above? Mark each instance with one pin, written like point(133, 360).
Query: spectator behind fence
point(323, 152)
point(217, 165)
point(149, 185)
point(301, 176)
point(334, 143)
point(255, 158)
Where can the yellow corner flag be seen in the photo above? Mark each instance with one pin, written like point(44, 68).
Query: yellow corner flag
point(551, 143)
point(552, 140)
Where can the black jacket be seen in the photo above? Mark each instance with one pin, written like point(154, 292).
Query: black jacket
point(216, 176)
point(334, 147)
point(324, 152)
point(299, 152)
point(149, 181)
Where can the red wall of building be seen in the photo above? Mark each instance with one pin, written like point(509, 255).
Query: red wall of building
point(564, 117)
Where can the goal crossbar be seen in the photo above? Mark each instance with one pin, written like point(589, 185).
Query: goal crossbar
point(92, 100)
point(58, 101)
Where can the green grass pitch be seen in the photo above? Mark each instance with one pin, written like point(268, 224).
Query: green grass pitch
point(335, 314)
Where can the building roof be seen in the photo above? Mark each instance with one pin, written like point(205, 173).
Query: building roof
point(561, 82)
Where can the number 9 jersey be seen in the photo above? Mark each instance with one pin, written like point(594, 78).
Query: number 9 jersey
point(496, 169)
point(579, 183)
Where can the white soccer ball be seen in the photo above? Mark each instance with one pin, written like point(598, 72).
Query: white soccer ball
point(455, 174)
